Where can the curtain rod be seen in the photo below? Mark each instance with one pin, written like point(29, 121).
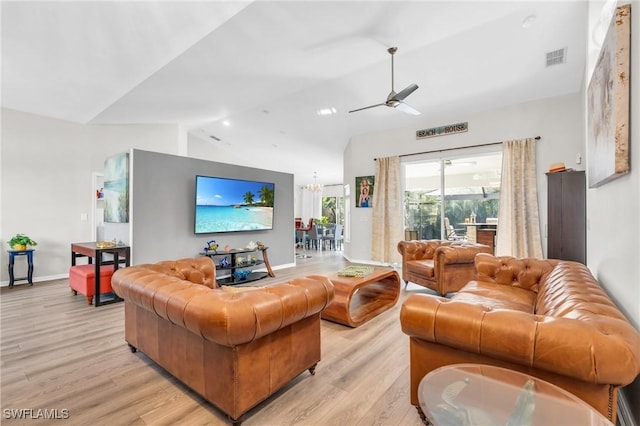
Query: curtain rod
point(453, 149)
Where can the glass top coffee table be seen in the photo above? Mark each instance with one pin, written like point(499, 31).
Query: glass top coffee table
point(475, 394)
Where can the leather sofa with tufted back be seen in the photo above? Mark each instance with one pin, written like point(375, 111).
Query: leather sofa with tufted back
point(441, 265)
point(234, 346)
point(547, 318)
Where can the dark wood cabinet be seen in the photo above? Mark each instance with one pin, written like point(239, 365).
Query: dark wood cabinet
point(566, 216)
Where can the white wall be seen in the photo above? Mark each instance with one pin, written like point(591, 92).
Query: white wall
point(613, 210)
point(46, 181)
point(559, 121)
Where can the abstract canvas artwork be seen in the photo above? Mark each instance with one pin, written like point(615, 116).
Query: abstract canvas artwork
point(116, 189)
point(608, 104)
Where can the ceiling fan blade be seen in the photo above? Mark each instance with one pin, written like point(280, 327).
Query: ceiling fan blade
point(406, 108)
point(370, 106)
point(405, 92)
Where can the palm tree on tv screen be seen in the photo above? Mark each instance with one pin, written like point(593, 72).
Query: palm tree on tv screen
point(266, 196)
point(248, 197)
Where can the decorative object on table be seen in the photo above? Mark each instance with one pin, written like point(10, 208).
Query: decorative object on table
point(452, 413)
point(608, 97)
point(224, 262)
point(252, 259)
point(364, 184)
point(241, 274)
point(356, 271)
point(106, 244)
point(522, 414)
point(473, 217)
point(252, 245)
point(239, 260)
point(212, 246)
point(260, 245)
point(116, 189)
point(227, 248)
point(20, 242)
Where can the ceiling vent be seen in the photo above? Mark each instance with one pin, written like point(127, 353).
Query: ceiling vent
point(557, 57)
point(215, 138)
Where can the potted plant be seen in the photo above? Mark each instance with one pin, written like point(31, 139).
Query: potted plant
point(20, 242)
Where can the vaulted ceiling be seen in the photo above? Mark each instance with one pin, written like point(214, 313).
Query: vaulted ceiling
point(255, 74)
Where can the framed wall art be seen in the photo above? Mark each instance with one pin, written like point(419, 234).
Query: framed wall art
point(608, 104)
point(364, 185)
point(116, 189)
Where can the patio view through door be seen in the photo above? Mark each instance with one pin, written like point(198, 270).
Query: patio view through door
point(468, 190)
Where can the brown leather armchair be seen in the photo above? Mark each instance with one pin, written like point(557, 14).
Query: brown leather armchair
point(442, 266)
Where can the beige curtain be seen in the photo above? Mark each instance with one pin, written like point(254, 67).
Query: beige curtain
point(518, 222)
point(387, 223)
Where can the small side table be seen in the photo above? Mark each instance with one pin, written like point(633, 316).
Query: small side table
point(12, 257)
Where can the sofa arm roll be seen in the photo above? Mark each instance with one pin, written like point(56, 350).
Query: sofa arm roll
point(569, 347)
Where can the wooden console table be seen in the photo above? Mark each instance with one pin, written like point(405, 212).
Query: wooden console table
point(481, 233)
point(357, 300)
point(91, 251)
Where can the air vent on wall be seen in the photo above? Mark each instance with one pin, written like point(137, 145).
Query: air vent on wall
point(215, 138)
point(556, 57)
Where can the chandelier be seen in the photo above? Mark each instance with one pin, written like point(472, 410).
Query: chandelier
point(315, 186)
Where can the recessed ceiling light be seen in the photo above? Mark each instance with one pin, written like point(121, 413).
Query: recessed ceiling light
point(528, 21)
point(327, 111)
point(226, 123)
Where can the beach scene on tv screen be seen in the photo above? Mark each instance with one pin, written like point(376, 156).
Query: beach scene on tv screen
point(228, 205)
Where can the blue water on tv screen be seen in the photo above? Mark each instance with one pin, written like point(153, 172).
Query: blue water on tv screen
point(232, 205)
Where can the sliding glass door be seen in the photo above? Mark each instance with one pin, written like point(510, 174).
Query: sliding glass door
point(442, 196)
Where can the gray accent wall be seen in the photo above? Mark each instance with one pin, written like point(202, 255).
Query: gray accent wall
point(163, 203)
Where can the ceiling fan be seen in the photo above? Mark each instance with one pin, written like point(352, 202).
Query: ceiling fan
point(396, 100)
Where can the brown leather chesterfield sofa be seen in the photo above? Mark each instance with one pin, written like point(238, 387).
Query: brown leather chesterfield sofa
point(233, 346)
point(546, 318)
point(441, 265)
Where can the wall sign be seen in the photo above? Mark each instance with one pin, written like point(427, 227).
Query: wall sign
point(442, 130)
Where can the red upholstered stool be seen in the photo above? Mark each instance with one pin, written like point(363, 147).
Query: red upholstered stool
point(82, 280)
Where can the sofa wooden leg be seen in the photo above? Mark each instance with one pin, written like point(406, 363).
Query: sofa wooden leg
point(236, 422)
point(133, 349)
point(312, 370)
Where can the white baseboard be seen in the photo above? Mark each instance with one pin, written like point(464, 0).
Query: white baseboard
point(36, 280)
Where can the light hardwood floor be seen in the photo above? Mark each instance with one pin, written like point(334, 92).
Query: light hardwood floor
point(58, 353)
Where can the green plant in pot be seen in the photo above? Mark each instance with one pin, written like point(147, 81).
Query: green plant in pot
point(20, 242)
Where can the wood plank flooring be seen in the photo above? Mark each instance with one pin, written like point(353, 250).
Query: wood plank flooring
point(58, 353)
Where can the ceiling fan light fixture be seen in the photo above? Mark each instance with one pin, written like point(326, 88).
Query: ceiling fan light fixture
point(327, 111)
point(395, 100)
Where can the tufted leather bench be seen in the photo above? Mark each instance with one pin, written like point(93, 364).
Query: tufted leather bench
point(234, 346)
point(547, 318)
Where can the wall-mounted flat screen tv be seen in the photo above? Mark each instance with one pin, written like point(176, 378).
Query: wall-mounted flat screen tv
point(232, 205)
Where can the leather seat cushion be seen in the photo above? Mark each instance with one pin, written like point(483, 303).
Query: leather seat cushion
point(497, 296)
point(421, 267)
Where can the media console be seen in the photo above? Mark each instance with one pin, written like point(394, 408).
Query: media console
point(235, 261)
